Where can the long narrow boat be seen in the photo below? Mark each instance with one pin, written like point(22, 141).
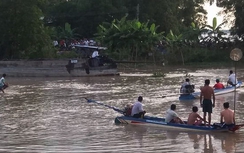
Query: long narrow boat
point(85, 65)
point(196, 95)
point(160, 122)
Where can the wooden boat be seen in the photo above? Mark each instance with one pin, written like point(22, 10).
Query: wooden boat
point(196, 95)
point(160, 122)
point(87, 66)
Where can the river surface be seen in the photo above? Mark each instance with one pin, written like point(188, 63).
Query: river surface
point(51, 114)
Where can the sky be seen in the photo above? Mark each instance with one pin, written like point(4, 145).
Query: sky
point(212, 12)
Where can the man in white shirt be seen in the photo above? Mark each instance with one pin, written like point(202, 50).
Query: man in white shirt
point(172, 116)
point(232, 79)
point(183, 86)
point(95, 54)
point(137, 109)
point(3, 84)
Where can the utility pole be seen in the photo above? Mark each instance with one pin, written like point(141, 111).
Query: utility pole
point(137, 11)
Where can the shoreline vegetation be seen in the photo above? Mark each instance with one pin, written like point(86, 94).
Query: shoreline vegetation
point(137, 31)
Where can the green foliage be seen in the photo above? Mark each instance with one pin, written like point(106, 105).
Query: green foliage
point(66, 32)
point(23, 34)
point(234, 7)
point(130, 39)
point(121, 25)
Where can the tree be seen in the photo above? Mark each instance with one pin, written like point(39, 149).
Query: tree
point(234, 7)
point(66, 32)
point(214, 33)
point(132, 36)
point(23, 34)
point(175, 43)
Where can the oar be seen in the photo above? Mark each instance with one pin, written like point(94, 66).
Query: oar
point(171, 95)
point(99, 103)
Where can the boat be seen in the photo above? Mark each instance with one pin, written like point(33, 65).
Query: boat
point(84, 65)
point(160, 122)
point(195, 95)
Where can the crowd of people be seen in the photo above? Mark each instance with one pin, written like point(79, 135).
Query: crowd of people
point(207, 102)
point(65, 44)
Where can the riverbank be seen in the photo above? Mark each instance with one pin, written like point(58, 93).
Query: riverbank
point(40, 68)
point(56, 68)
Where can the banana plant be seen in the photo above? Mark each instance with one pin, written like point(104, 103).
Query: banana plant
point(215, 35)
point(175, 43)
point(67, 32)
point(192, 35)
point(129, 37)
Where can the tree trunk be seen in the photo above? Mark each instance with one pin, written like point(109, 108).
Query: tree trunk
point(182, 57)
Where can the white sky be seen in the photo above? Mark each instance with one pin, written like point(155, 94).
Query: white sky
point(212, 12)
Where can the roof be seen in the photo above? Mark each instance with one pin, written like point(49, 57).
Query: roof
point(91, 47)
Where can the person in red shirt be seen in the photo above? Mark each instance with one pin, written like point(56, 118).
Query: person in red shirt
point(218, 85)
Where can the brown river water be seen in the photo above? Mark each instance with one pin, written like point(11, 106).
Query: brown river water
point(51, 114)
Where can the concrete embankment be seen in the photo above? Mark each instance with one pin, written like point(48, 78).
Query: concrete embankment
point(40, 68)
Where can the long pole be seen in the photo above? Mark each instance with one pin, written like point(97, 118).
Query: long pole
point(235, 91)
point(137, 11)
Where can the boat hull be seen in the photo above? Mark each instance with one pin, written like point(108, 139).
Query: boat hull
point(196, 95)
point(160, 122)
point(75, 70)
point(81, 72)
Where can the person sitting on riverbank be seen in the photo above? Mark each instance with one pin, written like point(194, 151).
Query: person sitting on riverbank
point(194, 118)
point(227, 116)
point(3, 84)
point(218, 85)
point(137, 109)
point(172, 116)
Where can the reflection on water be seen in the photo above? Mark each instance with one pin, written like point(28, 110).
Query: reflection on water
point(51, 115)
point(193, 141)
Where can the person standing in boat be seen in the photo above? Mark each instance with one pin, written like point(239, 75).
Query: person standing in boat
point(137, 109)
point(232, 79)
point(227, 116)
point(95, 59)
point(172, 116)
point(3, 84)
point(207, 93)
point(218, 85)
point(183, 86)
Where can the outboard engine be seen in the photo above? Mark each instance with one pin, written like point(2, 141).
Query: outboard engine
point(190, 88)
point(71, 65)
